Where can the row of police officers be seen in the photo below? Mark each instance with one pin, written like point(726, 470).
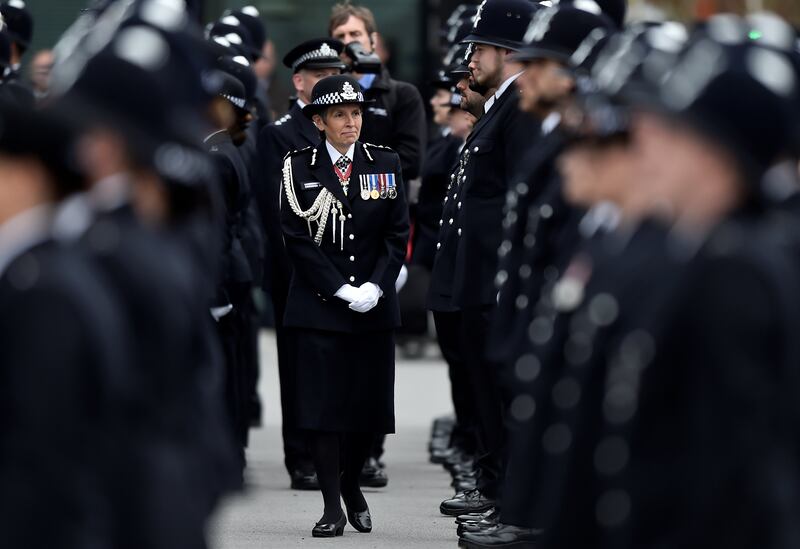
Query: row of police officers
point(132, 254)
point(615, 279)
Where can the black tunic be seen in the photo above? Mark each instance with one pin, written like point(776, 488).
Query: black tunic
point(345, 359)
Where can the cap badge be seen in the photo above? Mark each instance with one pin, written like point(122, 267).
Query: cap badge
point(326, 50)
point(348, 92)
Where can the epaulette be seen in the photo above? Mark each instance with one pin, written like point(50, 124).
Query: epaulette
point(296, 152)
point(368, 146)
point(284, 119)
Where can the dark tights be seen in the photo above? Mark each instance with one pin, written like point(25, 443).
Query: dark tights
point(338, 459)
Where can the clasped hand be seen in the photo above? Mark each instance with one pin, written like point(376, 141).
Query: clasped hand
point(361, 299)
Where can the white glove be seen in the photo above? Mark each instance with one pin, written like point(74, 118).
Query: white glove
point(369, 294)
point(348, 293)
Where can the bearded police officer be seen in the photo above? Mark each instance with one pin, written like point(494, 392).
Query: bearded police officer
point(462, 284)
point(310, 62)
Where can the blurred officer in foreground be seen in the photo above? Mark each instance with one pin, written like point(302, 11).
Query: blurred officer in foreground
point(462, 293)
point(310, 62)
point(657, 401)
point(345, 223)
point(62, 400)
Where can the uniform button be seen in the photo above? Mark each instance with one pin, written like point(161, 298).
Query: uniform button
point(455, 196)
point(459, 205)
point(352, 258)
point(349, 216)
point(352, 279)
point(441, 222)
point(476, 149)
point(438, 245)
point(451, 221)
point(459, 232)
point(352, 237)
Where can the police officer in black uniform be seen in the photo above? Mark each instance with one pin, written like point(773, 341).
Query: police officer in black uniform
point(345, 223)
point(310, 62)
point(462, 284)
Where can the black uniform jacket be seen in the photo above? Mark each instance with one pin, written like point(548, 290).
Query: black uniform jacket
point(291, 133)
point(233, 177)
point(375, 240)
point(63, 368)
point(472, 221)
point(396, 119)
point(442, 156)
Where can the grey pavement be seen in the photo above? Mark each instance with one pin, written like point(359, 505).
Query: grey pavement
point(405, 514)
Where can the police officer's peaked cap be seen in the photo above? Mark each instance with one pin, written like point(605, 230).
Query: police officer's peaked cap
point(557, 32)
point(19, 21)
point(318, 53)
point(502, 23)
point(335, 90)
point(239, 68)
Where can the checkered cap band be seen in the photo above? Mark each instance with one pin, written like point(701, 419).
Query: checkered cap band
point(336, 98)
point(322, 53)
point(238, 101)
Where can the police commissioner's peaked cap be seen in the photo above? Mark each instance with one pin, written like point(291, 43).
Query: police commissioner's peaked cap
point(318, 53)
point(335, 90)
point(502, 23)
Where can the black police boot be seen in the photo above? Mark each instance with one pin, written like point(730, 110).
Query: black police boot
point(488, 520)
point(304, 480)
point(466, 502)
point(502, 535)
point(373, 475)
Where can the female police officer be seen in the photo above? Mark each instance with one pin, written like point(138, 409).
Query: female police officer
point(345, 224)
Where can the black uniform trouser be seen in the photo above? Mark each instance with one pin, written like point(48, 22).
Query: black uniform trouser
point(295, 449)
point(448, 334)
point(486, 394)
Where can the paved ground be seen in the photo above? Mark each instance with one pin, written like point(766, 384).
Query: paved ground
point(405, 514)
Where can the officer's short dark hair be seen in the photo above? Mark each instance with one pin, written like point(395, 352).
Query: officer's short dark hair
point(341, 12)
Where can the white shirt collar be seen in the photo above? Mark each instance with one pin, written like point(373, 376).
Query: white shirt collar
point(336, 155)
point(22, 232)
point(500, 91)
point(301, 103)
point(550, 123)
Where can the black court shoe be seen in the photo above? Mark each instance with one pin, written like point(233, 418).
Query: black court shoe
point(329, 529)
point(361, 521)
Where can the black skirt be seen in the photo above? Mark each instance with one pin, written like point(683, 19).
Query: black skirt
point(344, 382)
